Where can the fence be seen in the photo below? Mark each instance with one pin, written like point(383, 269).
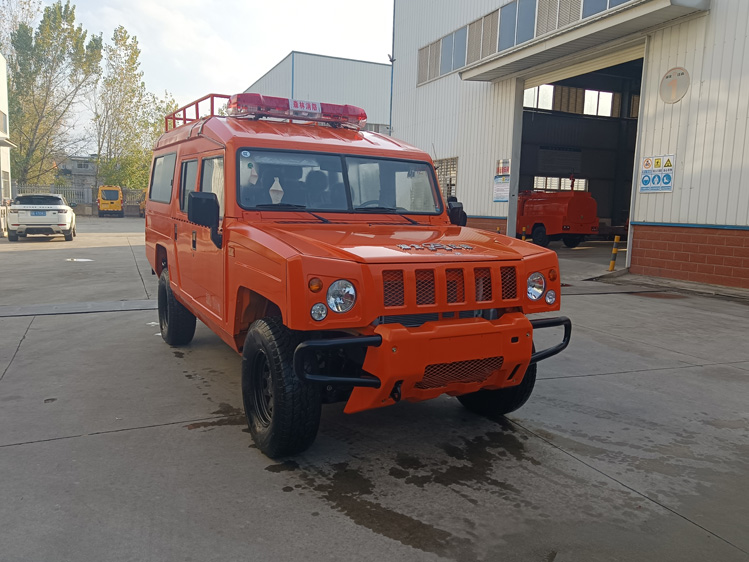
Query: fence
point(77, 195)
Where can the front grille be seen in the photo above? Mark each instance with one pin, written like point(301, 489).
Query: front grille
point(425, 286)
point(440, 287)
point(509, 283)
point(483, 284)
point(456, 291)
point(476, 370)
point(392, 282)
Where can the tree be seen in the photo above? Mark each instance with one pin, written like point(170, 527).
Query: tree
point(15, 12)
point(125, 116)
point(50, 69)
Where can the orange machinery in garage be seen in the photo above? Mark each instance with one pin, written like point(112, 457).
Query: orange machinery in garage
point(566, 215)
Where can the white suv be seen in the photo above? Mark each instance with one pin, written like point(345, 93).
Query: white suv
point(45, 213)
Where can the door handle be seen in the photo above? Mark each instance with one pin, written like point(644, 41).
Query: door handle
point(194, 239)
point(175, 232)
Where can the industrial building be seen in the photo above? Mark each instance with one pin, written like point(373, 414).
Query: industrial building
point(643, 102)
point(5, 144)
point(313, 77)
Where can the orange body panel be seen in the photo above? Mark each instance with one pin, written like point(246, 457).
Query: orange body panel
point(270, 257)
point(563, 212)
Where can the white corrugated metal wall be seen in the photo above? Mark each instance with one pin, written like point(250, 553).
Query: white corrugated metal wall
point(448, 117)
point(276, 82)
point(707, 130)
point(329, 79)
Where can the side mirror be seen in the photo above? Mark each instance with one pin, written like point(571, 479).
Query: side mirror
point(456, 213)
point(203, 209)
point(73, 205)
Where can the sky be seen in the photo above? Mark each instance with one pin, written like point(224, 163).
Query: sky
point(191, 48)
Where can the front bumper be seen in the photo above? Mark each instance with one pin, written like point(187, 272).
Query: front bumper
point(437, 358)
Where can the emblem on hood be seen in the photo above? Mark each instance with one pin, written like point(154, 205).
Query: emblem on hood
point(435, 247)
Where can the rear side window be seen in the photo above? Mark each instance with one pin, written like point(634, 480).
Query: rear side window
point(163, 175)
point(188, 183)
point(212, 180)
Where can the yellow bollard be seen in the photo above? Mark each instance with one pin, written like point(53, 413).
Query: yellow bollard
point(523, 237)
point(614, 251)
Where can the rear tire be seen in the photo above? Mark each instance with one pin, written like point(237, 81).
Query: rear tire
point(283, 412)
point(176, 322)
point(100, 214)
point(572, 240)
point(12, 236)
point(492, 403)
point(69, 235)
point(539, 236)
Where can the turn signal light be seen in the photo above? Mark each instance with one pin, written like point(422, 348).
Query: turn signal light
point(552, 275)
point(315, 285)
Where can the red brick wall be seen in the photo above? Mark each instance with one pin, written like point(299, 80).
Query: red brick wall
point(489, 224)
point(702, 255)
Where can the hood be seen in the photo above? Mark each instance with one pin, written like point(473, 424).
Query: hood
point(367, 243)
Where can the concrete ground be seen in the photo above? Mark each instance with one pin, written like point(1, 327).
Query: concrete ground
point(113, 446)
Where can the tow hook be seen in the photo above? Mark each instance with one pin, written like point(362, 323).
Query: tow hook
point(395, 394)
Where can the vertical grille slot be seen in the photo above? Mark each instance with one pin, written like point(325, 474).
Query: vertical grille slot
point(425, 286)
point(483, 284)
point(456, 291)
point(509, 283)
point(392, 285)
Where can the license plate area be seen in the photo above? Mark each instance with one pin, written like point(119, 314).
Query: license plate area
point(38, 213)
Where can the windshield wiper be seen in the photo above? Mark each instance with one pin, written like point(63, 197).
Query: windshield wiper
point(293, 207)
point(384, 210)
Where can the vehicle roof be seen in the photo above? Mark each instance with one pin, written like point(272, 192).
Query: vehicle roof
point(39, 195)
point(292, 136)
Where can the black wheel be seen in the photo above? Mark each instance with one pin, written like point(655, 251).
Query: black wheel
point(572, 240)
point(100, 214)
point(502, 401)
point(283, 412)
point(122, 214)
point(539, 236)
point(176, 322)
point(69, 235)
point(12, 236)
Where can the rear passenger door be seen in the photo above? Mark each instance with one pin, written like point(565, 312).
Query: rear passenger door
point(208, 260)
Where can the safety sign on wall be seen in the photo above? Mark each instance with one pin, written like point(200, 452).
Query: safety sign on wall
point(657, 174)
point(501, 186)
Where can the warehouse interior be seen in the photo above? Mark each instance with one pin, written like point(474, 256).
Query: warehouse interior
point(585, 127)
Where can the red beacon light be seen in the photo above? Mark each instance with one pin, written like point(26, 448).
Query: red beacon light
point(258, 105)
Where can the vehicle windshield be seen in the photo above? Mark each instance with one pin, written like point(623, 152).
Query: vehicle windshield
point(38, 200)
point(278, 180)
point(110, 194)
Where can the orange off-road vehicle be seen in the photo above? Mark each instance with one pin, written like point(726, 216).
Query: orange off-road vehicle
point(326, 256)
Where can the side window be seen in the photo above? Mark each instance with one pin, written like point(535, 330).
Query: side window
point(162, 178)
point(212, 180)
point(188, 182)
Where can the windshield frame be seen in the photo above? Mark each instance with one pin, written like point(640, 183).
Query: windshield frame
point(343, 156)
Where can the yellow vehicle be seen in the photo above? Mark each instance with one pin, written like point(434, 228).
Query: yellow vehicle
point(142, 205)
point(110, 201)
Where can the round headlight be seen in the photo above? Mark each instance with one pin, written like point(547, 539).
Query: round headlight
point(536, 286)
point(318, 312)
point(341, 296)
point(551, 297)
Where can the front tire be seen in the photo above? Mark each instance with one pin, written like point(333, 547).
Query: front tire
point(176, 322)
point(493, 403)
point(283, 412)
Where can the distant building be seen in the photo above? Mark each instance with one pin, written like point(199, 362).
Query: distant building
point(5, 144)
point(319, 78)
point(78, 171)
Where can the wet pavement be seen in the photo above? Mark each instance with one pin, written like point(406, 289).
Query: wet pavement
point(113, 446)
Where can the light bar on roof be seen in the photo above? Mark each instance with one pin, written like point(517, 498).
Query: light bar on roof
point(258, 105)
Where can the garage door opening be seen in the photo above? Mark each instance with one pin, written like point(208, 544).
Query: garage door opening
point(578, 138)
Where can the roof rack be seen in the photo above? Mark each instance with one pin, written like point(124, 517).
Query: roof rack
point(191, 112)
